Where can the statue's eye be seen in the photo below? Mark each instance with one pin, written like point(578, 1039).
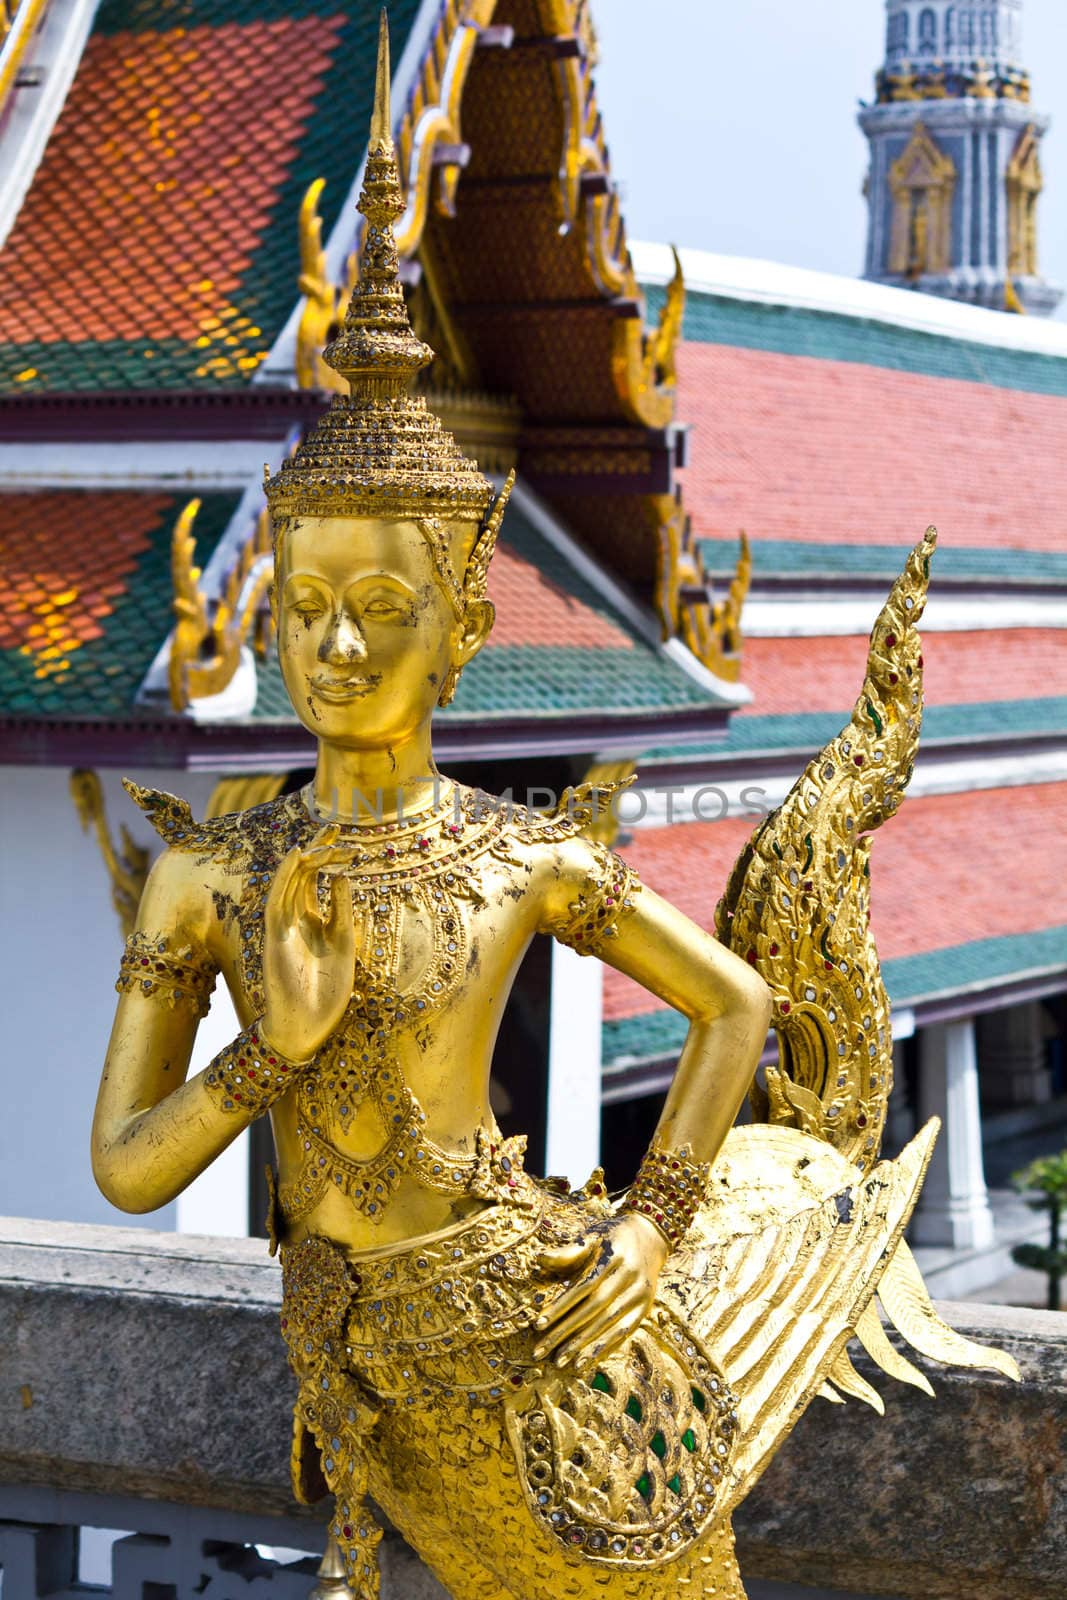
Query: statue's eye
point(381, 608)
point(306, 609)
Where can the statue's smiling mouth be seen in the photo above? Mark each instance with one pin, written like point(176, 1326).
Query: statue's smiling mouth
point(339, 690)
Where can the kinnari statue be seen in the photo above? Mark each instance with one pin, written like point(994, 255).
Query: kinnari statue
point(551, 1393)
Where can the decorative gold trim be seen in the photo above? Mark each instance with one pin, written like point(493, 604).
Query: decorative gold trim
point(431, 123)
point(798, 900)
point(127, 865)
point(685, 599)
point(18, 25)
point(205, 648)
point(1025, 182)
point(605, 779)
point(430, 129)
point(922, 181)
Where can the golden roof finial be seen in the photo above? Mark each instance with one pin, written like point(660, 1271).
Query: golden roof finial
point(378, 451)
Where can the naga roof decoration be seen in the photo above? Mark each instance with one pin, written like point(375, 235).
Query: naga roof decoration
point(208, 637)
point(86, 595)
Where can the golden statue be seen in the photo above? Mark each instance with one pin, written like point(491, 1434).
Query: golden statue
point(550, 1392)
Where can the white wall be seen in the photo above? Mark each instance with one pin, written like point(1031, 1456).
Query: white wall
point(60, 945)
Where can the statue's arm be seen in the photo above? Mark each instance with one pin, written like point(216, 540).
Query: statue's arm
point(729, 1010)
point(594, 904)
point(727, 1003)
point(153, 1131)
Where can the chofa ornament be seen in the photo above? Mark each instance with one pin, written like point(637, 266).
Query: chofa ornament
point(548, 1390)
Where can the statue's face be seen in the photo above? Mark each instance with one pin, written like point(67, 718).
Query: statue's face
point(366, 634)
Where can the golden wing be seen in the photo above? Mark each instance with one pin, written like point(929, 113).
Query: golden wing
point(803, 1230)
point(781, 1269)
point(797, 903)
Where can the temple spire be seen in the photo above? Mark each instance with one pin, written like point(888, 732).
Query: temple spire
point(955, 171)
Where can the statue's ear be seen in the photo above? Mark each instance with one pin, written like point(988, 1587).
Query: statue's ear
point(476, 627)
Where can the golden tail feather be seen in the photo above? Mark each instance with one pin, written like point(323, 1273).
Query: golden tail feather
point(903, 1294)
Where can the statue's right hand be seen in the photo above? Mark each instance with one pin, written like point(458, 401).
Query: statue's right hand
point(308, 953)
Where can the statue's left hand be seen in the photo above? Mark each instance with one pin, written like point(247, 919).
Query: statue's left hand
point(620, 1266)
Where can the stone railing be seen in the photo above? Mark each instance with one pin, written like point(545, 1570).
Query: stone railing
point(144, 1388)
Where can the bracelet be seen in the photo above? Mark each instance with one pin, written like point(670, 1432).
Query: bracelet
point(178, 977)
point(249, 1075)
point(669, 1190)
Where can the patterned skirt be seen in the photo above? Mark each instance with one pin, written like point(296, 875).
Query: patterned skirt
point(512, 1481)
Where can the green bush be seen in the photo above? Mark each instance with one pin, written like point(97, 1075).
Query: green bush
point(1045, 1183)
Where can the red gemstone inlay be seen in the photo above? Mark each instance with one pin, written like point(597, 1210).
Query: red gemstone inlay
point(772, 949)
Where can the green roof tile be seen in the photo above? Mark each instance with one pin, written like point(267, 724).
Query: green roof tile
point(789, 558)
point(835, 336)
point(909, 980)
point(806, 731)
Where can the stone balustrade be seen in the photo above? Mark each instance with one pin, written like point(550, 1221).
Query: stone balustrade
point(144, 1387)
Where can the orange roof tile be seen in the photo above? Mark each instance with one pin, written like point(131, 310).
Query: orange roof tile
point(824, 674)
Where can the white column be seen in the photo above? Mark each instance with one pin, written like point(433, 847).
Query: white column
point(954, 1208)
point(217, 1201)
point(572, 1136)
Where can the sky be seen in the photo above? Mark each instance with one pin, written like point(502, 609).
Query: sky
point(732, 126)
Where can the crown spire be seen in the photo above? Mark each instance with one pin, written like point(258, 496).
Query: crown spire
point(379, 451)
point(376, 347)
point(381, 122)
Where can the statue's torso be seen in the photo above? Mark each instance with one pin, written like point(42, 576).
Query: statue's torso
point(390, 1134)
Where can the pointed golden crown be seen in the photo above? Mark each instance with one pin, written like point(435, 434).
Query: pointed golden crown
point(379, 451)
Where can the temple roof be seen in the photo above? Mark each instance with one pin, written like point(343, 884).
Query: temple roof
point(941, 916)
point(157, 245)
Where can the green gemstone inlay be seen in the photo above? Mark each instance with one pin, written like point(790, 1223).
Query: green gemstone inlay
point(659, 1445)
point(689, 1439)
point(675, 1484)
point(644, 1486)
point(810, 857)
point(875, 718)
point(633, 1408)
point(600, 1381)
point(699, 1400)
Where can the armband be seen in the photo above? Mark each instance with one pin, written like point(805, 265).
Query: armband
point(605, 898)
point(151, 967)
point(669, 1190)
point(249, 1075)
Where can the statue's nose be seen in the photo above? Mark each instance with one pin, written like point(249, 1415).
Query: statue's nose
point(344, 643)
